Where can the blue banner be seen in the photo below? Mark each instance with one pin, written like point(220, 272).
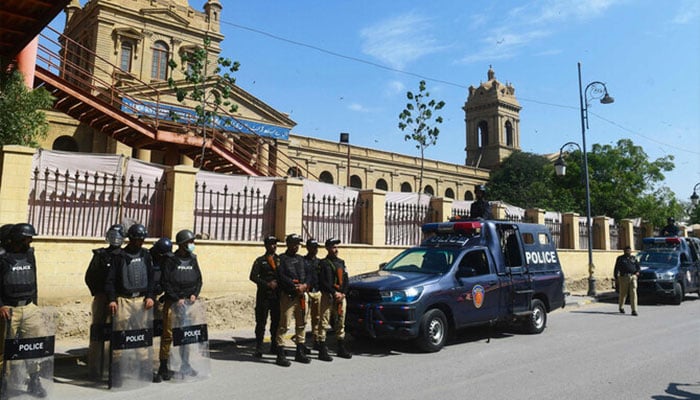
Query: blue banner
point(222, 122)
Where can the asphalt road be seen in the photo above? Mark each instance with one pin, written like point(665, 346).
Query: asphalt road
point(586, 352)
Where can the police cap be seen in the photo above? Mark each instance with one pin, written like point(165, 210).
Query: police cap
point(293, 239)
point(480, 188)
point(270, 239)
point(332, 242)
point(312, 243)
point(137, 231)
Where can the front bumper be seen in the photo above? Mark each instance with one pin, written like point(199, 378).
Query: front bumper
point(382, 320)
point(655, 288)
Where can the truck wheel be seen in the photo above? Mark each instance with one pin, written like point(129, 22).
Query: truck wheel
point(677, 294)
point(538, 319)
point(433, 331)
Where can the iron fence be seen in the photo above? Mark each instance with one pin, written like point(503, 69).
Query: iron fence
point(639, 234)
point(404, 221)
point(583, 235)
point(87, 204)
point(555, 229)
point(327, 217)
point(614, 236)
point(460, 212)
point(247, 215)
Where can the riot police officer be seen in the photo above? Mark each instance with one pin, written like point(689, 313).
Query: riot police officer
point(160, 251)
point(293, 282)
point(333, 280)
point(314, 292)
point(18, 299)
point(480, 208)
point(264, 275)
point(182, 282)
point(95, 277)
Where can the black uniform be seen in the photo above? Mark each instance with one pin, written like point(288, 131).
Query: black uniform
point(18, 283)
point(267, 300)
point(131, 275)
point(480, 209)
point(101, 263)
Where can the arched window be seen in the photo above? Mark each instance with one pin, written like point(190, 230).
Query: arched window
point(509, 134)
point(294, 172)
point(483, 134)
point(355, 182)
point(406, 187)
point(468, 195)
point(449, 193)
point(65, 143)
point(126, 56)
point(381, 184)
point(326, 177)
point(429, 190)
point(159, 68)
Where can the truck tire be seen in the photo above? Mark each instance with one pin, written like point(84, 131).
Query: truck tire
point(537, 321)
point(677, 294)
point(433, 331)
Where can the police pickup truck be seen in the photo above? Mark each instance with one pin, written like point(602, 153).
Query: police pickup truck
point(465, 273)
point(670, 268)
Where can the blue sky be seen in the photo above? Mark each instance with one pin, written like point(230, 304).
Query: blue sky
point(345, 66)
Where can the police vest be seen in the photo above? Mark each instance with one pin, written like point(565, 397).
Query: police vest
point(134, 273)
point(185, 274)
point(19, 281)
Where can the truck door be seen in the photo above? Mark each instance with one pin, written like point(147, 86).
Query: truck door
point(476, 297)
point(519, 295)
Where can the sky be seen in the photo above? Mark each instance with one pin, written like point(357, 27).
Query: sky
point(346, 65)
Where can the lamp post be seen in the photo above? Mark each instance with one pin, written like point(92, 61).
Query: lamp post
point(598, 90)
point(694, 197)
point(345, 138)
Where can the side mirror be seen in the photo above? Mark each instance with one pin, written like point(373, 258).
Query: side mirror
point(382, 265)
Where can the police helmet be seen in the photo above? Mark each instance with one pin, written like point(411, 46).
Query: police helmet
point(184, 236)
point(270, 239)
point(293, 239)
point(162, 246)
point(5, 233)
point(137, 231)
point(21, 231)
point(115, 235)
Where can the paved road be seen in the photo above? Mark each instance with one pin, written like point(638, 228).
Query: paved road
point(587, 352)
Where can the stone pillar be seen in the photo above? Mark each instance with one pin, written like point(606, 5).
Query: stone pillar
point(143, 155)
point(184, 160)
point(647, 229)
point(15, 183)
point(535, 215)
point(601, 233)
point(498, 210)
point(179, 199)
point(569, 231)
point(288, 210)
point(373, 227)
point(627, 233)
point(442, 207)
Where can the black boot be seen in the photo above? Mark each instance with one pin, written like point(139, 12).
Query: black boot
point(163, 370)
point(282, 358)
point(258, 349)
point(342, 350)
point(301, 354)
point(34, 387)
point(306, 350)
point(273, 346)
point(323, 352)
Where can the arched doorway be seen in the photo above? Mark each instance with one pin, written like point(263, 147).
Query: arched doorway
point(326, 177)
point(65, 143)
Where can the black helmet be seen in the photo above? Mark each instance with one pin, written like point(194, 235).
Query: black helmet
point(184, 236)
point(137, 231)
point(671, 220)
point(21, 231)
point(115, 235)
point(162, 246)
point(5, 233)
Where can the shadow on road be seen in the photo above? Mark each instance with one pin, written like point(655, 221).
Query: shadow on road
point(680, 391)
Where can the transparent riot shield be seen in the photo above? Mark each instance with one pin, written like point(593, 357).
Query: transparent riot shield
point(98, 351)
point(131, 343)
point(189, 354)
point(27, 370)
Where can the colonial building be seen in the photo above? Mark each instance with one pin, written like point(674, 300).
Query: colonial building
point(119, 49)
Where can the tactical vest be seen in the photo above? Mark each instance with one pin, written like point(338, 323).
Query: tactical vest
point(185, 274)
point(19, 281)
point(134, 273)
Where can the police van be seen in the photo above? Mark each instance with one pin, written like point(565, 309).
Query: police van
point(464, 273)
point(670, 268)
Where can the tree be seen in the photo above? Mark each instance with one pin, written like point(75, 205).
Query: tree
point(210, 90)
point(21, 119)
point(419, 120)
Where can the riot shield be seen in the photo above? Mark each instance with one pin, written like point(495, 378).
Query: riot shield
point(189, 355)
point(131, 343)
point(27, 370)
point(98, 351)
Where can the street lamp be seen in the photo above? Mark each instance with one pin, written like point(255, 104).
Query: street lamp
point(560, 164)
point(598, 90)
point(694, 197)
point(345, 138)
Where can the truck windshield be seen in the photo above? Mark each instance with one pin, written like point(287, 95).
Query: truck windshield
point(422, 260)
point(659, 258)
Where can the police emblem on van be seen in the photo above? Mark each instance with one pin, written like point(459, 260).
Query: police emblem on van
point(478, 294)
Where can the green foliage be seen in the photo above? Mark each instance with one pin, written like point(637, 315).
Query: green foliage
point(420, 120)
point(21, 119)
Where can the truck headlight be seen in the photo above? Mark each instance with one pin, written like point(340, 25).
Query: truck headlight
point(665, 276)
point(402, 296)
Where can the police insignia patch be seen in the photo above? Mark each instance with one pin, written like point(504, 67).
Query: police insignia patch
point(478, 295)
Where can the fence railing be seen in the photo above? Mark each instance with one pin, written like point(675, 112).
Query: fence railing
point(87, 204)
point(326, 217)
point(583, 235)
point(639, 234)
point(461, 212)
point(247, 215)
point(404, 221)
point(614, 236)
point(555, 228)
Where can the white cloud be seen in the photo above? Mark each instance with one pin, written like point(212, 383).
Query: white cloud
point(689, 11)
point(395, 87)
point(400, 40)
point(358, 108)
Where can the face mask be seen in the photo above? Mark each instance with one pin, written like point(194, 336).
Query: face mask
point(114, 239)
point(190, 247)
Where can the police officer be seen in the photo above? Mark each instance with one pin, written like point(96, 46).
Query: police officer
point(671, 229)
point(626, 273)
point(333, 280)
point(95, 277)
point(314, 291)
point(161, 249)
point(182, 282)
point(18, 300)
point(129, 288)
point(480, 208)
point(293, 282)
point(264, 275)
